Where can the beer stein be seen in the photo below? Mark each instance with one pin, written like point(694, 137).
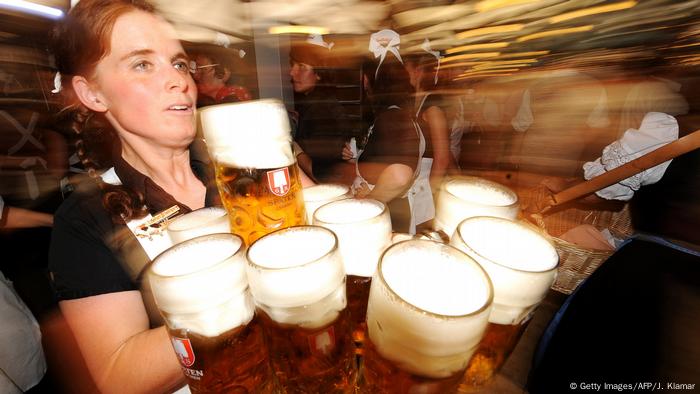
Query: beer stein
point(298, 283)
point(256, 170)
point(203, 221)
point(317, 195)
point(363, 228)
point(428, 308)
point(522, 265)
point(463, 197)
point(201, 290)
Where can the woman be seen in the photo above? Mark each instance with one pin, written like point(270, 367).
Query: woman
point(121, 62)
point(386, 166)
point(431, 115)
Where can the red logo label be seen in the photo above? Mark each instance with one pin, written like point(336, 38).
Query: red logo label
point(322, 342)
point(183, 349)
point(278, 181)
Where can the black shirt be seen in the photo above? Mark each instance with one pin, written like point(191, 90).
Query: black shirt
point(89, 254)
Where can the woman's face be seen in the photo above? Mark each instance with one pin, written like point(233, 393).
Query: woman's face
point(304, 77)
point(144, 84)
point(415, 73)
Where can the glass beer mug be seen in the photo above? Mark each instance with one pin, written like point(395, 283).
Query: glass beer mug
point(522, 265)
point(256, 170)
point(201, 290)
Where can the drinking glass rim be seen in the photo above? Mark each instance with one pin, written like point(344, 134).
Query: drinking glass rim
point(174, 220)
point(384, 210)
point(415, 308)
point(519, 224)
point(199, 239)
point(347, 189)
point(319, 260)
point(504, 188)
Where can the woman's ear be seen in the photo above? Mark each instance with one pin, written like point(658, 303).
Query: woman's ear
point(87, 95)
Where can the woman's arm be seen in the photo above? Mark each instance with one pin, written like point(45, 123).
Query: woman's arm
point(440, 137)
point(122, 354)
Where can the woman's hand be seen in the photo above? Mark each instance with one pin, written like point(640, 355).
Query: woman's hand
point(347, 153)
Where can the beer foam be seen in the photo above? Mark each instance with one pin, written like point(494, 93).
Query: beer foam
point(363, 228)
point(428, 276)
point(318, 195)
point(251, 134)
point(297, 267)
point(520, 261)
point(200, 222)
point(201, 284)
point(481, 191)
point(466, 197)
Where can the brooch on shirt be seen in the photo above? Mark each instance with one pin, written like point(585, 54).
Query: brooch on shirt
point(156, 224)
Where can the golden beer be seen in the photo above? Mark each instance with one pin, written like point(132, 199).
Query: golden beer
point(255, 207)
point(298, 282)
point(201, 290)
point(522, 265)
point(428, 308)
point(256, 171)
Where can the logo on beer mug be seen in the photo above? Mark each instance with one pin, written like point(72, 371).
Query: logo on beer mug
point(183, 349)
point(278, 181)
point(322, 342)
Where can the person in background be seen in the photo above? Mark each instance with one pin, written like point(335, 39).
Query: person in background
point(317, 119)
point(213, 76)
point(387, 158)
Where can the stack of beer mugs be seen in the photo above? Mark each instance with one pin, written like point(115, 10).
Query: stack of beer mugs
point(256, 171)
point(363, 228)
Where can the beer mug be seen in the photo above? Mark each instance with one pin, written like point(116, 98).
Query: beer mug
point(522, 265)
point(317, 195)
point(363, 228)
point(256, 171)
point(468, 196)
point(298, 283)
point(203, 221)
point(201, 290)
point(428, 308)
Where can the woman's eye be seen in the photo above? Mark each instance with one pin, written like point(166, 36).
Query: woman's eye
point(142, 66)
point(182, 66)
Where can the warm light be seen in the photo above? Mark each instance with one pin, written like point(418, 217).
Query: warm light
point(474, 47)
point(592, 11)
point(488, 5)
point(491, 66)
point(477, 72)
point(296, 29)
point(557, 32)
point(479, 76)
point(522, 54)
point(490, 30)
point(32, 8)
point(479, 55)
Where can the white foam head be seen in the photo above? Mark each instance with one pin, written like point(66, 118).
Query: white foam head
point(363, 228)
point(297, 277)
point(210, 220)
point(317, 195)
point(428, 307)
point(251, 134)
point(465, 197)
point(520, 261)
point(201, 284)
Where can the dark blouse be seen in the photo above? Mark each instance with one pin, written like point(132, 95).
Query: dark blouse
point(89, 254)
point(431, 100)
point(393, 139)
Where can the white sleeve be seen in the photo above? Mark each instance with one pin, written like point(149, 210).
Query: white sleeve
point(657, 129)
